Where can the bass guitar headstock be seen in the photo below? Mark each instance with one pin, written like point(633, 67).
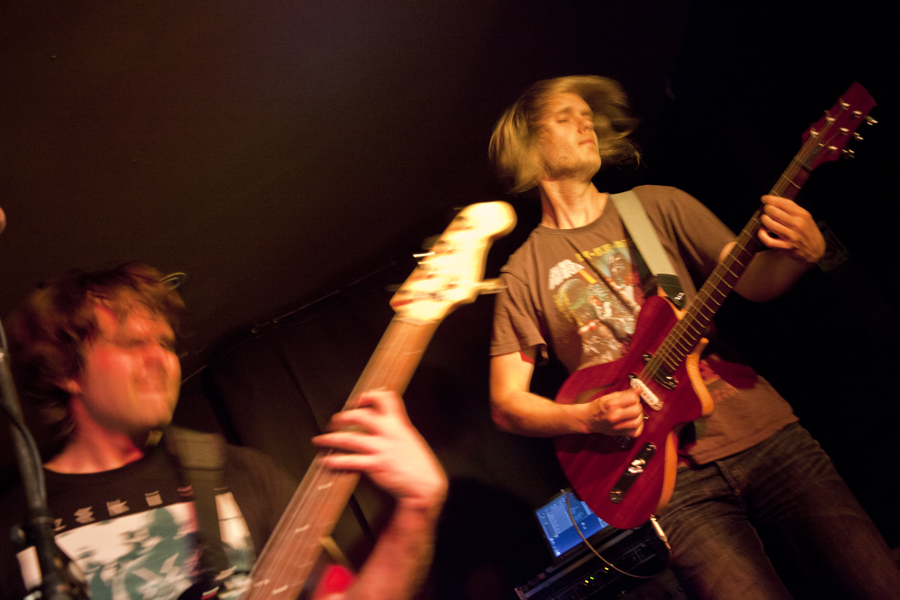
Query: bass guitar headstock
point(451, 272)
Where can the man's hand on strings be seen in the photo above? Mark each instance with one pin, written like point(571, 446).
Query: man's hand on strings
point(377, 438)
point(794, 228)
point(617, 414)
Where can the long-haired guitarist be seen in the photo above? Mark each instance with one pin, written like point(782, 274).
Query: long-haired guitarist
point(577, 285)
point(97, 353)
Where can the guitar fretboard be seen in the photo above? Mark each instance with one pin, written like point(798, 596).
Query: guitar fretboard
point(292, 552)
point(820, 144)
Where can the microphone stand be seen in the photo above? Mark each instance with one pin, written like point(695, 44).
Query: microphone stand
point(61, 579)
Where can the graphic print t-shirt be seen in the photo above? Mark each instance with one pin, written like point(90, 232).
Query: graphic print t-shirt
point(132, 530)
point(600, 294)
point(579, 291)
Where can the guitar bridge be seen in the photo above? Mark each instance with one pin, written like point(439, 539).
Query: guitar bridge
point(634, 470)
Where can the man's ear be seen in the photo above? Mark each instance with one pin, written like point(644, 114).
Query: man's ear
point(70, 385)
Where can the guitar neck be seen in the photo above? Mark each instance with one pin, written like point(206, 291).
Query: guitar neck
point(395, 359)
point(686, 335)
point(290, 555)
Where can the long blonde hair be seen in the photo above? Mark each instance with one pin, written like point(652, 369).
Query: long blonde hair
point(513, 151)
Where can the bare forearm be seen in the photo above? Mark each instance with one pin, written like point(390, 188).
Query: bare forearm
point(795, 244)
point(770, 274)
point(378, 439)
point(400, 560)
point(516, 410)
point(524, 413)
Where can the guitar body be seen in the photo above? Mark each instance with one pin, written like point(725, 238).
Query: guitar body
point(596, 463)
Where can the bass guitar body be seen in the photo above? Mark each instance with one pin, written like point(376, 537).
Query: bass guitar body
point(624, 480)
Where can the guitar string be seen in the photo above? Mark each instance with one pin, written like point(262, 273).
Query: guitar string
point(708, 292)
point(303, 522)
point(668, 348)
point(324, 478)
point(308, 515)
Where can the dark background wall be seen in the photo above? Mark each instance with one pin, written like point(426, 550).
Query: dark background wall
point(290, 158)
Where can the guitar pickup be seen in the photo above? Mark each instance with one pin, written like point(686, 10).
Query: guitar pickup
point(661, 376)
point(634, 470)
point(647, 395)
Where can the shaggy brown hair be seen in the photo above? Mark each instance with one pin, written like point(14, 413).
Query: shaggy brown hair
point(48, 331)
point(513, 148)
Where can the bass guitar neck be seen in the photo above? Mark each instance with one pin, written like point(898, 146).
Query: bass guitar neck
point(449, 275)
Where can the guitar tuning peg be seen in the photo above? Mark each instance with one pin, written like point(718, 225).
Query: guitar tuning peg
point(856, 136)
point(871, 121)
point(848, 153)
point(490, 286)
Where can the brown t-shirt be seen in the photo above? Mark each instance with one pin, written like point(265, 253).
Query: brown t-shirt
point(579, 291)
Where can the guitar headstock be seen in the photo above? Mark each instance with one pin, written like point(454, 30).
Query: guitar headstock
point(828, 136)
point(451, 272)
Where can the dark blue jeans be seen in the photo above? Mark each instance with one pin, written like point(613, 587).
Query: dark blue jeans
point(743, 527)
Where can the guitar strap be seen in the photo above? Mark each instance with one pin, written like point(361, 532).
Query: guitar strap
point(200, 458)
point(647, 242)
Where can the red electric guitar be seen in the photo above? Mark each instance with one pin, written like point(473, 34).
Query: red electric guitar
point(449, 275)
point(626, 480)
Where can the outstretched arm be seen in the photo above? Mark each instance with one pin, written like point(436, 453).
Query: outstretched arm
point(385, 445)
point(798, 246)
